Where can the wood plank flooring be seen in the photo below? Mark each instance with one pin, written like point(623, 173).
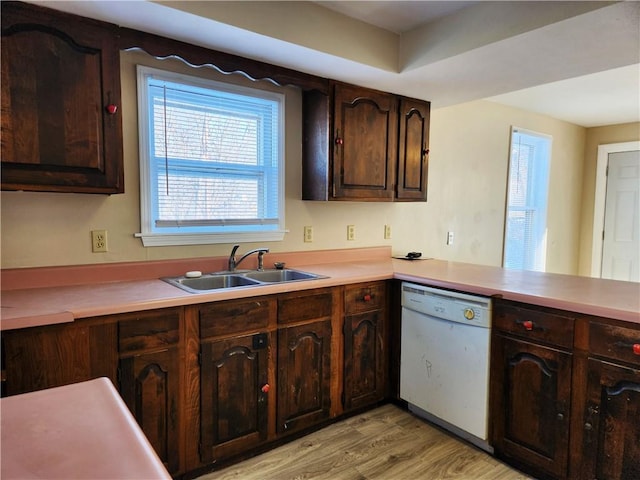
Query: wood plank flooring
point(383, 444)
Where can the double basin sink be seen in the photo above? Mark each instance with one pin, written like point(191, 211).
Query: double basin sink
point(244, 278)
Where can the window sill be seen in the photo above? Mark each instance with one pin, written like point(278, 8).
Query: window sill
point(164, 240)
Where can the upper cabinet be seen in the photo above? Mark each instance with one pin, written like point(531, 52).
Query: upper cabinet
point(61, 123)
point(364, 145)
point(413, 150)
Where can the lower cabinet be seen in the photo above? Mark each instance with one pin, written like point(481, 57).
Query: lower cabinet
point(606, 429)
point(365, 349)
point(235, 359)
point(531, 373)
point(611, 428)
point(209, 382)
point(565, 393)
point(149, 378)
point(532, 405)
point(304, 358)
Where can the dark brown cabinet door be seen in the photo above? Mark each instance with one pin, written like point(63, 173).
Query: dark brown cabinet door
point(364, 375)
point(149, 387)
point(234, 395)
point(611, 423)
point(56, 355)
point(413, 150)
point(531, 405)
point(60, 73)
point(304, 363)
point(364, 144)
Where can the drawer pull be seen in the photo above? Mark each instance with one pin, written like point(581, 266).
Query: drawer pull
point(528, 325)
point(636, 348)
point(265, 388)
point(366, 298)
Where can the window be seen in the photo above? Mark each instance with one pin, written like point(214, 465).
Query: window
point(528, 187)
point(211, 161)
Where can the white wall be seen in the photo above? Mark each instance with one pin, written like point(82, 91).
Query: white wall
point(467, 187)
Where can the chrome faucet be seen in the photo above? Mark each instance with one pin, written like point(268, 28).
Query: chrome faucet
point(233, 263)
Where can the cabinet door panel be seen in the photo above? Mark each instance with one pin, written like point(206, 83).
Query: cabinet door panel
point(364, 376)
point(532, 405)
point(611, 429)
point(413, 150)
point(234, 407)
point(304, 363)
point(364, 144)
point(149, 387)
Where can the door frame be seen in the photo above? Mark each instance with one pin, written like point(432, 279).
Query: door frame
point(599, 199)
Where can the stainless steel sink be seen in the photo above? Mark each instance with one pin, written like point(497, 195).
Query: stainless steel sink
point(276, 276)
point(222, 280)
point(210, 282)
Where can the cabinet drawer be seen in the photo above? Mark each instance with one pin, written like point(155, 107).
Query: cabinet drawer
point(364, 297)
point(538, 325)
point(235, 316)
point(148, 330)
point(615, 342)
point(302, 306)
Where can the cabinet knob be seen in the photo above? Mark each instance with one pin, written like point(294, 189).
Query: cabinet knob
point(588, 426)
point(265, 388)
point(528, 325)
point(560, 416)
point(367, 298)
point(339, 141)
point(636, 348)
point(425, 152)
point(112, 109)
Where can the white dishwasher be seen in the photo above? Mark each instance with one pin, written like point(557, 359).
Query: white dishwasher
point(444, 359)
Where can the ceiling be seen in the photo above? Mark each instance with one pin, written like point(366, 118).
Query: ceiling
point(576, 61)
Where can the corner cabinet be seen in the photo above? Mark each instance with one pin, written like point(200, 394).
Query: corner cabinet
point(61, 124)
point(358, 142)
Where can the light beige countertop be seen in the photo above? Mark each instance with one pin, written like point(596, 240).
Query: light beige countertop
point(24, 307)
point(83, 430)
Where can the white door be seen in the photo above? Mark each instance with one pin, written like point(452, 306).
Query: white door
point(621, 243)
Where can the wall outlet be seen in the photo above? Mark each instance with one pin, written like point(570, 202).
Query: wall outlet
point(351, 232)
point(308, 234)
point(449, 238)
point(98, 241)
point(387, 232)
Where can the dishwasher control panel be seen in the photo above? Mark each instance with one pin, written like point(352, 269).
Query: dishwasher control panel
point(447, 305)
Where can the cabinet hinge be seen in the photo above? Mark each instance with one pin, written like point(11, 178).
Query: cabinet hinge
point(342, 399)
point(200, 358)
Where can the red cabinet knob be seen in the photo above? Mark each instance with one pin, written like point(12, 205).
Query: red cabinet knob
point(636, 348)
point(367, 298)
point(265, 388)
point(112, 109)
point(339, 141)
point(528, 325)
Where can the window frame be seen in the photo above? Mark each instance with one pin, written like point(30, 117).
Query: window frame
point(149, 236)
point(539, 204)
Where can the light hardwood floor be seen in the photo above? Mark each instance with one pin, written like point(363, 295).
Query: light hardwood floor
point(383, 444)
